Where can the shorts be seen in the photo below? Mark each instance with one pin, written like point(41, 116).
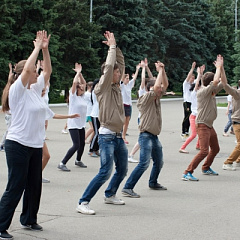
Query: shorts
point(88, 119)
point(128, 110)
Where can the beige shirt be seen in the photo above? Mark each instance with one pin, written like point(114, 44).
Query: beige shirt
point(235, 102)
point(206, 101)
point(150, 108)
point(111, 110)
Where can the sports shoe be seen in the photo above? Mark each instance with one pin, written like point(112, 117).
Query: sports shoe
point(35, 227)
point(5, 235)
point(183, 151)
point(189, 177)
point(113, 200)
point(130, 193)
point(209, 172)
point(44, 180)
point(132, 160)
point(85, 209)
point(225, 134)
point(80, 164)
point(63, 167)
point(183, 136)
point(237, 164)
point(228, 167)
point(93, 154)
point(157, 186)
point(64, 131)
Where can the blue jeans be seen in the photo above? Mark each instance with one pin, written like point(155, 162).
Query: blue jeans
point(229, 123)
point(150, 146)
point(24, 178)
point(112, 149)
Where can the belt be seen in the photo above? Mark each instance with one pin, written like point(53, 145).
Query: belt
point(236, 122)
point(118, 135)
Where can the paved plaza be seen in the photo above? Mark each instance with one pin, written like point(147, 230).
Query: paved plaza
point(187, 210)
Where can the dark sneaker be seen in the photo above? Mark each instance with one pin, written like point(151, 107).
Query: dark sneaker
point(63, 167)
point(130, 193)
point(80, 164)
point(34, 227)
point(157, 186)
point(5, 235)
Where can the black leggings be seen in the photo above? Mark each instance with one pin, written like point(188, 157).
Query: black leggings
point(94, 147)
point(78, 139)
point(187, 113)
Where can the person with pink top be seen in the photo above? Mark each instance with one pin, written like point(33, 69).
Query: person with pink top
point(193, 115)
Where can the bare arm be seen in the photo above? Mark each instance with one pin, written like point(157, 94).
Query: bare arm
point(190, 73)
point(148, 69)
point(143, 76)
point(161, 83)
point(60, 116)
point(219, 65)
point(76, 80)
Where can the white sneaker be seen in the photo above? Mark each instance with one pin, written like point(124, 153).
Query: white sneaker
point(85, 209)
point(132, 160)
point(237, 164)
point(228, 167)
point(113, 200)
point(45, 180)
point(64, 131)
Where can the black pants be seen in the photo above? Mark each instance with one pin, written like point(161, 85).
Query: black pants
point(94, 143)
point(187, 113)
point(24, 175)
point(78, 139)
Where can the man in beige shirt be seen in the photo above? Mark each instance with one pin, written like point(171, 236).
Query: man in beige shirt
point(111, 117)
point(150, 127)
point(207, 113)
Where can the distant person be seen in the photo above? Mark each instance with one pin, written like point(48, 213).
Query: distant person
point(229, 114)
point(193, 89)
point(111, 116)
point(76, 126)
point(187, 101)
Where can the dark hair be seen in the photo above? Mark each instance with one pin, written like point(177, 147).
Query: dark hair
point(95, 82)
point(207, 78)
point(193, 86)
point(150, 83)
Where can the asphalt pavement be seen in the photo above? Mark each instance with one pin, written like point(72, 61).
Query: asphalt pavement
point(207, 209)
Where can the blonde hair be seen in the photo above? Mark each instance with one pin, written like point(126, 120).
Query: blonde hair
point(11, 79)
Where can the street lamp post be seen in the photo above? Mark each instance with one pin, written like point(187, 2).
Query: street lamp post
point(236, 18)
point(91, 4)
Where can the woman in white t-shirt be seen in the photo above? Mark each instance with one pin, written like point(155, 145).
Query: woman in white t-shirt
point(126, 89)
point(76, 126)
point(24, 143)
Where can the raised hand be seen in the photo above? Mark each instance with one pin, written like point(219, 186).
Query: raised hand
point(46, 39)
point(219, 61)
point(78, 68)
point(110, 39)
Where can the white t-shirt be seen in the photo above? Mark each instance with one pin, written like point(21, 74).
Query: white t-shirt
point(126, 92)
point(28, 113)
point(194, 102)
point(77, 104)
point(141, 92)
point(95, 108)
point(89, 103)
point(45, 96)
point(229, 99)
point(186, 92)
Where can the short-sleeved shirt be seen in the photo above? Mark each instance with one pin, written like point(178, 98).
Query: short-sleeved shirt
point(126, 90)
point(77, 104)
point(28, 113)
point(89, 103)
point(186, 92)
point(95, 108)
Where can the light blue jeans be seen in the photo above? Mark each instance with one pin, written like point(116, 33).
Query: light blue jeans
point(112, 149)
point(150, 146)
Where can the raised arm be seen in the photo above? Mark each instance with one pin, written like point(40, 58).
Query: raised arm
point(143, 75)
point(47, 66)
point(190, 73)
point(148, 69)
point(161, 83)
point(200, 71)
point(30, 63)
point(77, 79)
point(219, 66)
